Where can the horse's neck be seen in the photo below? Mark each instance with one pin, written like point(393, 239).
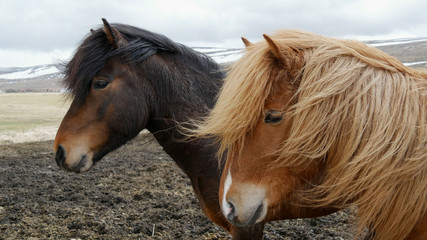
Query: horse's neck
point(178, 108)
point(191, 156)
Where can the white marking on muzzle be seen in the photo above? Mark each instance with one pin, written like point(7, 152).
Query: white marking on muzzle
point(226, 208)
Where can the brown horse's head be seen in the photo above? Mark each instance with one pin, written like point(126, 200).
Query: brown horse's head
point(249, 186)
point(103, 121)
point(100, 117)
point(112, 94)
point(324, 123)
point(124, 79)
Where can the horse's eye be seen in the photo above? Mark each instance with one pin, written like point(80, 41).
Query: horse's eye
point(100, 84)
point(273, 116)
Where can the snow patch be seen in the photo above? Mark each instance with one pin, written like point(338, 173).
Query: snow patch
point(380, 43)
point(31, 72)
point(221, 55)
point(415, 63)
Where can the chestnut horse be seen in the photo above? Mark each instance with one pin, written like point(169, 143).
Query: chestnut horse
point(313, 121)
point(124, 79)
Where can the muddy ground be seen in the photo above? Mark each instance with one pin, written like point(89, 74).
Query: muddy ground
point(136, 192)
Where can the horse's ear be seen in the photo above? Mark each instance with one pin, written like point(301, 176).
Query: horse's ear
point(246, 42)
point(275, 49)
point(291, 59)
point(114, 37)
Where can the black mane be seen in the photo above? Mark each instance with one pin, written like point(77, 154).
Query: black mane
point(95, 49)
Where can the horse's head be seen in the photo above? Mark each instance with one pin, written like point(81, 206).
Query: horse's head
point(252, 187)
point(106, 110)
point(252, 118)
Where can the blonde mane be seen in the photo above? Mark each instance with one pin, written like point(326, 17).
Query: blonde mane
point(358, 109)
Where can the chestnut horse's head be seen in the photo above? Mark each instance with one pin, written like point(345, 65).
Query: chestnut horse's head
point(312, 121)
point(112, 96)
point(250, 191)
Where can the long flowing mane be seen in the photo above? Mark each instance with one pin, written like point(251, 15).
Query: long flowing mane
point(95, 49)
point(356, 108)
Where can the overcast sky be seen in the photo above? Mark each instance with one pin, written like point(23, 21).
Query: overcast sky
point(37, 32)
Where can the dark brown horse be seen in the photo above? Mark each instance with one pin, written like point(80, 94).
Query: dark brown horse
point(124, 79)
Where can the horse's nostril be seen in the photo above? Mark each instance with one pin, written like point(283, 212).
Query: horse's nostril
point(231, 210)
point(60, 155)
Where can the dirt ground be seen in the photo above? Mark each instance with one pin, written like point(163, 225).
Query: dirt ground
point(136, 192)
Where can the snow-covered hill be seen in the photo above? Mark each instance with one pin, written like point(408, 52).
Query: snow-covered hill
point(49, 70)
point(221, 55)
point(35, 78)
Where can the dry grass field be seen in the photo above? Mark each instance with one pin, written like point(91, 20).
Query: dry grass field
point(27, 117)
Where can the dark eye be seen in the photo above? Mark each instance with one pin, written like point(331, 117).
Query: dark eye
point(100, 84)
point(273, 116)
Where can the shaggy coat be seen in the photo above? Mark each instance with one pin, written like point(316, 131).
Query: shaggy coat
point(357, 109)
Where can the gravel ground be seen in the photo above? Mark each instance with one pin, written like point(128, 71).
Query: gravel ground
point(136, 192)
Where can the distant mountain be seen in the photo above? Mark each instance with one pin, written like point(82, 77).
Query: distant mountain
point(35, 78)
point(221, 55)
point(49, 70)
point(411, 51)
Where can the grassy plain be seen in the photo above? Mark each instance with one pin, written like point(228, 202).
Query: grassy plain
point(26, 112)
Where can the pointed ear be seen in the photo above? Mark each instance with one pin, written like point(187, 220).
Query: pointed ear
point(114, 37)
point(290, 58)
point(274, 49)
point(246, 42)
